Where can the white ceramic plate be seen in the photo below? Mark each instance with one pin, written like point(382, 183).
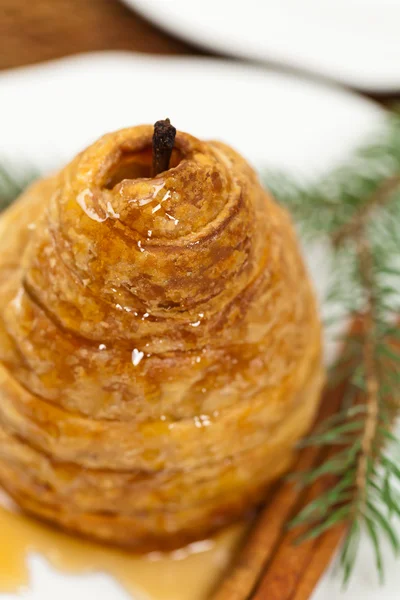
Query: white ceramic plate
point(51, 111)
point(356, 42)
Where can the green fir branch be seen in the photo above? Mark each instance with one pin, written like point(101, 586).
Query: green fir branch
point(356, 208)
point(13, 181)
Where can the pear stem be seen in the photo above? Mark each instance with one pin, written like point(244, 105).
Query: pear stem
point(163, 144)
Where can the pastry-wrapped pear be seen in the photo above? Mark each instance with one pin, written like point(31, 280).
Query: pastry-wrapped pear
point(160, 348)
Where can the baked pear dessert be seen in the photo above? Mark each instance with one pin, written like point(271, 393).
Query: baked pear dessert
point(160, 346)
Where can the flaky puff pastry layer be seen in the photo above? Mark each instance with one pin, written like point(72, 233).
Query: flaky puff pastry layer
point(160, 347)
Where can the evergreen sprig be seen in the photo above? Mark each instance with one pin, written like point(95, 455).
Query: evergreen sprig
point(356, 208)
point(13, 181)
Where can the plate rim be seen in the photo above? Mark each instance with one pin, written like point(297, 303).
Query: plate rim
point(222, 62)
point(155, 12)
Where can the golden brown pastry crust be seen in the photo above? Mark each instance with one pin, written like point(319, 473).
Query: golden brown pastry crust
point(160, 349)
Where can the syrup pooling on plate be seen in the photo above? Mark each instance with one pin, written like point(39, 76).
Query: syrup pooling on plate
point(185, 574)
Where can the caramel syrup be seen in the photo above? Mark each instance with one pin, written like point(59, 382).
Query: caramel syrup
point(186, 574)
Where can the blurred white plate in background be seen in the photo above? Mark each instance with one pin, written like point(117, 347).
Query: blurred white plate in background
point(50, 112)
point(356, 42)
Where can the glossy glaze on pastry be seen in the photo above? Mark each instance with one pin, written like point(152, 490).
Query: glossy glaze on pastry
point(160, 347)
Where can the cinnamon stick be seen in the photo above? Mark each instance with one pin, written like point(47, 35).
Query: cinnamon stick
point(323, 554)
point(293, 563)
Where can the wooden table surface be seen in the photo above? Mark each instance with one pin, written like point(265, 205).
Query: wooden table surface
point(33, 31)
